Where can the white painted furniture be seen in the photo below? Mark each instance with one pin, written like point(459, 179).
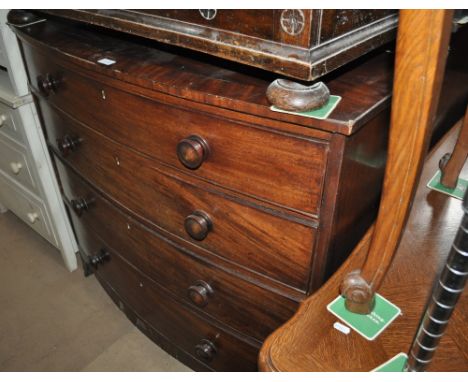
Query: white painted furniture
point(28, 186)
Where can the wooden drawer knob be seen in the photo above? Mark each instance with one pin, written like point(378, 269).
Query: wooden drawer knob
point(200, 293)
point(81, 205)
point(32, 217)
point(100, 258)
point(47, 84)
point(193, 151)
point(206, 350)
point(198, 224)
point(68, 144)
point(16, 167)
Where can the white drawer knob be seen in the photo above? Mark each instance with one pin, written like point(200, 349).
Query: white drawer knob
point(16, 167)
point(33, 217)
point(2, 119)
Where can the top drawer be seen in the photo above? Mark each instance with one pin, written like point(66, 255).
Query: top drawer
point(275, 167)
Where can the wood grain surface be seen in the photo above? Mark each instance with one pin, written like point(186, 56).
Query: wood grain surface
point(308, 342)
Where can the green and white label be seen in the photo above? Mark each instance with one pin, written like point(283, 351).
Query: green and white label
point(395, 364)
point(321, 113)
point(457, 192)
point(367, 325)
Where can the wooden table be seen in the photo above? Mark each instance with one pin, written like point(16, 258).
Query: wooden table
point(432, 225)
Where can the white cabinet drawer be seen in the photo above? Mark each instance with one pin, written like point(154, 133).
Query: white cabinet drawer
point(15, 163)
point(10, 123)
point(3, 61)
point(27, 207)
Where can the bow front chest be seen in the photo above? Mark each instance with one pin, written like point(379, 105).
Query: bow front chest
point(206, 216)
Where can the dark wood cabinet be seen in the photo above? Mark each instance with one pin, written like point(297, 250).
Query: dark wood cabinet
point(205, 215)
point(299, 43)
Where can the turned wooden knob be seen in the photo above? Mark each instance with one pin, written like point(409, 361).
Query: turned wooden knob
point(81, 205)
point(193, 151)
point(47, 84)
point(206, 350)
point(198, 224)
point(68, 144)
point(16, 167)
point(32, 217)
point(100, 258)
point(200, 293)
point(19, 18)
point(3, 118)
point(291, 96)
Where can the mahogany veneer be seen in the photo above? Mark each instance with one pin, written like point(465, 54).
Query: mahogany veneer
point(206, 216)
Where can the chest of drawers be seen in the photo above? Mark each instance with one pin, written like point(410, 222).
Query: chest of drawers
point(206, 216)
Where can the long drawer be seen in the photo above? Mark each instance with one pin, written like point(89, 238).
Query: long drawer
point(15, 163)
point(213, 345)
point(232, 155)
point(278, 247)
point(246, 307)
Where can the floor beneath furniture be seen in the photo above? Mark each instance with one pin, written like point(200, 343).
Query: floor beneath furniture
point(53, 320)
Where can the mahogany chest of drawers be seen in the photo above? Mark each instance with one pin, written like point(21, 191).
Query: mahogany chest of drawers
point(206, 216)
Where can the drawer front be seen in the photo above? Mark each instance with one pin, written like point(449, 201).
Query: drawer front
point(14, 162)
point(251, 237)
point(175, 321)
point(26, 207)
point(9, 123)
point(274, 167)
point(250, 309)
point(255, 23)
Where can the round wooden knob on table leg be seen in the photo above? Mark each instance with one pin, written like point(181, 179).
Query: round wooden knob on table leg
point(198, 224)
point(193, 151)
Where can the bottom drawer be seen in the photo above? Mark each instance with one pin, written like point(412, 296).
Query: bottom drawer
point(27, 207)
point(213, 347)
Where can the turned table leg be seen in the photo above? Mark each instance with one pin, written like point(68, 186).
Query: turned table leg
point(292, 96)
point(451, 165)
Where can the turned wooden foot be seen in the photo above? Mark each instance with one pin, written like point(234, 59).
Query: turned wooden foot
point(359, 295)
point(451, 164)
point(292, 96)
